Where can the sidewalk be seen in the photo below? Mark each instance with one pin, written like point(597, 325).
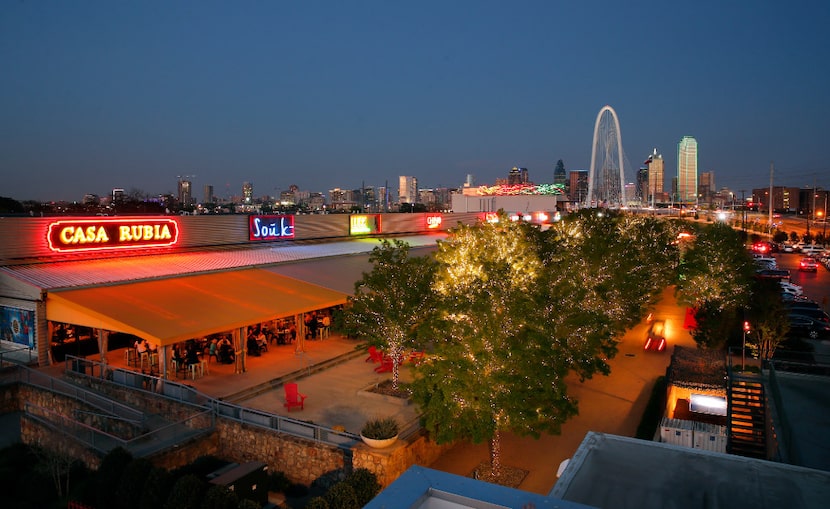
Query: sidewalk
point(612, 404)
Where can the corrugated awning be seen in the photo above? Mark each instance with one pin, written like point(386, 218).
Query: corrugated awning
point(167, 311)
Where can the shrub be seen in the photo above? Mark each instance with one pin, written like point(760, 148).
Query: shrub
point(219, 497)
point(365, 485)
point(342, 496)
point(296, 490)
point(317, 503)
point(278, 481)
point(380, 428)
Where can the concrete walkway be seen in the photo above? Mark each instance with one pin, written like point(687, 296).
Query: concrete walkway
point(612, 404)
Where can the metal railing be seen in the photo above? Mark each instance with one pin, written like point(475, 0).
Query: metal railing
point(188, 395)
point(14, 353)
point(103, 442)
point(91, 398)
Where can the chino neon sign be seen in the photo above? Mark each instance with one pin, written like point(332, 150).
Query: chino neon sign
point(362, 224)
point(270, 227)
point(434, 221)
point(107, 234)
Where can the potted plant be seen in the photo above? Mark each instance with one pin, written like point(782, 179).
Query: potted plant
point(380, 432)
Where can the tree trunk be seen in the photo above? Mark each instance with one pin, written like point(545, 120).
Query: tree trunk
point(495, 455)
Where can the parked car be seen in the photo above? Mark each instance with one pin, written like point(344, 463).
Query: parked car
point(787, 248)
point(815, 314)
point(773, 274)
point(656, 337)
point(803, 326)
point(788, 287)
point(812, 249)
point(808, 264)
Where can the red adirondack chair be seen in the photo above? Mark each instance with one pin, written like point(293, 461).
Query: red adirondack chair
point(375, 355)
point(293, 398)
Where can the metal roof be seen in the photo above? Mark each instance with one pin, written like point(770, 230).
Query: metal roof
point(70, 274)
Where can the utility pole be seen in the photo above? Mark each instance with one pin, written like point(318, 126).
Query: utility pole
point(771, 168)
point(743, 210)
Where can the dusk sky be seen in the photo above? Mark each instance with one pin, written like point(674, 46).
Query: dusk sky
point(323, 94)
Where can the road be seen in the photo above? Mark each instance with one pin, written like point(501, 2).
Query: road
point(612, 404)
point(816, 284)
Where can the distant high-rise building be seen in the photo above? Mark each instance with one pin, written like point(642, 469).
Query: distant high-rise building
point(517, 176)
point(560, 176)
point(408, 189)
point(579, 185)
point(656, 178)
point(208, 193)
point(117, 196)
point(185, 192)
point(641, 192)
point(247, 193)
point(706, 186)
point(687, 170)
point(470, 180)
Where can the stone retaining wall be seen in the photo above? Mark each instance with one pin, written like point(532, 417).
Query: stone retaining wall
point(302, 461)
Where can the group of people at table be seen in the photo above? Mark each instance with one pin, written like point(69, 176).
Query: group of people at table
point(190, 353)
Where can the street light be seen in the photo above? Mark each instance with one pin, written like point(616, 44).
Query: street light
point(743, 350)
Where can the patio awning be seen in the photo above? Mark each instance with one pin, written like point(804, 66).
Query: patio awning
point(167, 311)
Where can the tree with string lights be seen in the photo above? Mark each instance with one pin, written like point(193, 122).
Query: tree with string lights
point(715, 278)
point(392, 301)
point(519, 310)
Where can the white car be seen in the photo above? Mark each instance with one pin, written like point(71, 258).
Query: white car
point(812, 249)
point(790, 288)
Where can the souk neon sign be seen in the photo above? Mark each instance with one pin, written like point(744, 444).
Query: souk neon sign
point(107, 234)
point(362, 224)
point(270, 227)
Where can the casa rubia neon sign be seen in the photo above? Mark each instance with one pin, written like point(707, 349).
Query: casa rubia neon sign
point(270, 227)
point(107, 234)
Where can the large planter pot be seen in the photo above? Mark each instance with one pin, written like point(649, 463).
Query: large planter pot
point(379, 443)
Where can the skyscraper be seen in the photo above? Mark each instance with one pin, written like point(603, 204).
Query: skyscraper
point(687, 170)
point(517, 176)
point(706, 186)
point(656, 179)
point(560, 176)
point(408, 189)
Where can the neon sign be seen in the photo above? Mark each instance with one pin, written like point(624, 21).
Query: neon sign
point(102, 234)
point(434, 221)
point(270, 227)
point(363, 224)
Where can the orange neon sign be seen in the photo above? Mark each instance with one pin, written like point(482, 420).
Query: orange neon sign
point(105, 234)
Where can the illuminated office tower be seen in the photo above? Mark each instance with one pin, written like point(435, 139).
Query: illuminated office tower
point(656, 178)
point(247, 193)
point(687, 170)
point(408, 189)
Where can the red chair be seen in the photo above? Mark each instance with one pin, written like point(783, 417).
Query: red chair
point(375, 355)
point(293, 398)
point(386, 364)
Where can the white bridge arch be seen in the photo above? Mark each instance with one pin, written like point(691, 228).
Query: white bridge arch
point(606, 180)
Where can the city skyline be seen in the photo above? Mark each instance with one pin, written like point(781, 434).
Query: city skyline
point(325, 95)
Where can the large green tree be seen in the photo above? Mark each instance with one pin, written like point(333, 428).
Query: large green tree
point(519, 310)
point(392, 301)
point(715, 278)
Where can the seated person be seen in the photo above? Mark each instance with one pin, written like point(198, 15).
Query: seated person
point(253, 346)
point(191, 356)
point(226, 353)
point(262, 341)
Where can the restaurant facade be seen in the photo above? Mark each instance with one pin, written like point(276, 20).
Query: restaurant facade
point(69, 281)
